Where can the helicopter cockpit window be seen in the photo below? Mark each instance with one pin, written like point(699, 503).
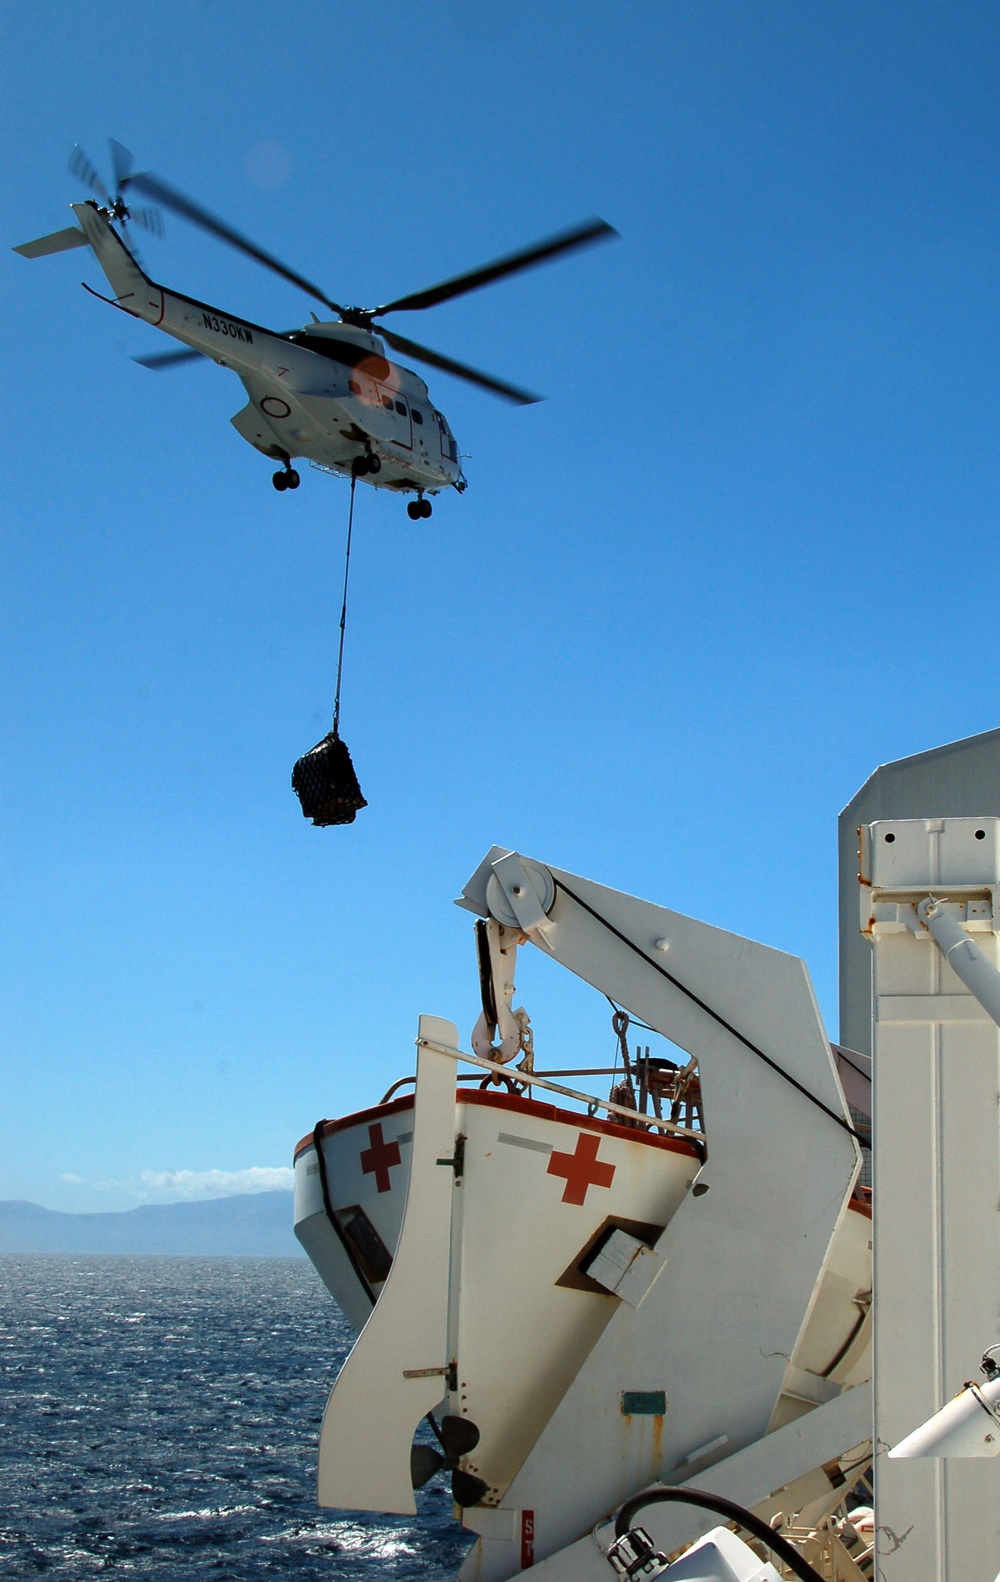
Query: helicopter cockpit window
point(354, 387)
point(448, 445)
point(401, 408)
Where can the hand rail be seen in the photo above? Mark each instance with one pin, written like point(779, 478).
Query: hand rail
point(530, 1079)
point(403, 1082)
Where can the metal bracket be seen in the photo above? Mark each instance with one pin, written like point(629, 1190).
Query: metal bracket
point(963, 955)
point(457, 1162)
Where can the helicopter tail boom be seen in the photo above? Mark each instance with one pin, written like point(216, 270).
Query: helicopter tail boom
point(134, 292)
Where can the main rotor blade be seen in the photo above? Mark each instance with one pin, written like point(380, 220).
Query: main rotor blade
point(169, 196)
point(121, 163)
point(448, 365)
point(168, 359)
point(83, 170)
point(526, 258)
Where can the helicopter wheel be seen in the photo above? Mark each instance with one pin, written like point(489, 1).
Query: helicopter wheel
point(280, 481)
point(414, 510)
point(374, 464)
point(292, 479)
point(425, 507)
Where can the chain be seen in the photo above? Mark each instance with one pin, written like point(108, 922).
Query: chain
point(526, 1040)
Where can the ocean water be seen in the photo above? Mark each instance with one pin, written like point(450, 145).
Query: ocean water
point(159, 1419)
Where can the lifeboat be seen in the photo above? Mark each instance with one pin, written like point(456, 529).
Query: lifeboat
point(546, 1197)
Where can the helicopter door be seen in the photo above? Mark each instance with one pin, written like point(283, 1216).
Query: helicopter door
point(404, 422)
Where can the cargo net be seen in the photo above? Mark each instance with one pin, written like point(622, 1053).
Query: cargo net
point(324, 779)
point(326, 785)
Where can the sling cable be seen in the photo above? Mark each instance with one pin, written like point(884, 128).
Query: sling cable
point(323, 779)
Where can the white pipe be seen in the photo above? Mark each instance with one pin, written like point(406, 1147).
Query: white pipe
point(969, 1425)
point(964, 957)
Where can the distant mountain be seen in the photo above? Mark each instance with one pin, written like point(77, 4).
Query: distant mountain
point(254, 1225)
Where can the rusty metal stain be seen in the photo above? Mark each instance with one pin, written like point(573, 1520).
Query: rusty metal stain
point(861, 862)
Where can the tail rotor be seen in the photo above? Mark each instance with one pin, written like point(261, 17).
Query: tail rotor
point(81, 167)
point(115, 207)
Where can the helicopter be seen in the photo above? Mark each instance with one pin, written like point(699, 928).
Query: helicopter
point(327, 392)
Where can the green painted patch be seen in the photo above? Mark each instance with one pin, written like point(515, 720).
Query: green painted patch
point(644, 1403)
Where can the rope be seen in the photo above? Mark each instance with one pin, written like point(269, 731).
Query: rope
point(721, 1020)
point(343, 609)
point(623, 1092)
point(620, 1023)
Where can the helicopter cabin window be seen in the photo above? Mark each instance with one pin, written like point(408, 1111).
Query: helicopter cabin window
point(416, 414)
point(401, 408)
point(354, 387)
point(387, 402)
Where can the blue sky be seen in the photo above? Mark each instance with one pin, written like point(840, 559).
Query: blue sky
point(744, 552)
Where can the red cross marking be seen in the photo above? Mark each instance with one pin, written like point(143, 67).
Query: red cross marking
point(380, 1158)
point(581, 1169)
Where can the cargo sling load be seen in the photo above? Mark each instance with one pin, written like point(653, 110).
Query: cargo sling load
point(588, 1296)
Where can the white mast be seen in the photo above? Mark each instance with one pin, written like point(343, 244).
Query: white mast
point(930, 901)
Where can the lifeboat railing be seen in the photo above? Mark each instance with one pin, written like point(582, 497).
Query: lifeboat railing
point(531, 1079)
point(523, 1079)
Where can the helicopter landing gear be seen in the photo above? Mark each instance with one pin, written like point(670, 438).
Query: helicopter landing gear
point(415, 509)
point(366, 466)
point(287, 478)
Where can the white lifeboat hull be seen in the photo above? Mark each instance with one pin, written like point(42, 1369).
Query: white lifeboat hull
point(538, 1191)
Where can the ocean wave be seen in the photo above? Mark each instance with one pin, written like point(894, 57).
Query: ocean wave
point(160, 1418)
